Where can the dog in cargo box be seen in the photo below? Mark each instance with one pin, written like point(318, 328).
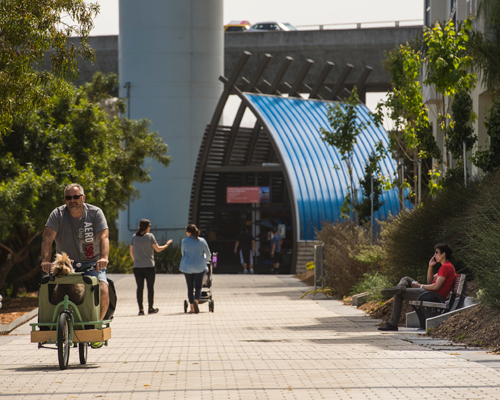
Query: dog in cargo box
point(62, 267)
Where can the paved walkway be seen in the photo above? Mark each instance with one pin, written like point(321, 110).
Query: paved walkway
point(262, 342)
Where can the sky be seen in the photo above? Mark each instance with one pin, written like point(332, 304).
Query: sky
point(296, 12)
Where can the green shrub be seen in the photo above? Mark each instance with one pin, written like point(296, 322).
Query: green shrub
point(476, 238)
point(344, 263)
point(409, 238)
point(168, 260)
point(372, 283)
point(120, 261)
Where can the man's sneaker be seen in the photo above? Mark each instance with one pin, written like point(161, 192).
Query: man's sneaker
point(141, 312)
point(153, 310)
point(251, 270)
point(245, 271)
point(96, 345)
point(388, 327)
point(392, 291)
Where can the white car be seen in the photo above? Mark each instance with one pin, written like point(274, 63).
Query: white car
point(271, 26)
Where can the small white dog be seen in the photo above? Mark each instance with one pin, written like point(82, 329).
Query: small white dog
point(62, 267)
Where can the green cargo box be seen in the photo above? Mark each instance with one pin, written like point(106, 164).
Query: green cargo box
point(89, 309)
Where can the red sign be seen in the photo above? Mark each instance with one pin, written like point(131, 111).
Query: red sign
point(243, 194)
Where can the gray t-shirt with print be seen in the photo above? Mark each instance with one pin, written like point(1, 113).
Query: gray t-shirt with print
point(143, 250)
point(78, 237)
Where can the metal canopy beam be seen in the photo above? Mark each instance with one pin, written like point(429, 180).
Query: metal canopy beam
point(272, 89)
point(340, 82)
point(251, 86)
point(294, 91)
point(321, 80)
point(244, 169)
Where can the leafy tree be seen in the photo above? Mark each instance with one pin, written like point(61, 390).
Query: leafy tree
point(371, 170)
point(344, 130)
point(28, 30)
point(448, 65)
point(412, 137)
point(485, 47)
point(489, 160)
point(71, 139)
point(460, 130)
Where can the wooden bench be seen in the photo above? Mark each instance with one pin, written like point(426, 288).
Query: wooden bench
point(430, 304)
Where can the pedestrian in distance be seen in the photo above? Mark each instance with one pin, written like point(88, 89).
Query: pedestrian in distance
point(276, 243)
point(81, 231)
point(245, 243)
point(141, 250)
point(195, 254)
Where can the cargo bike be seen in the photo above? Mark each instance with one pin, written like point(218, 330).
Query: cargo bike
point(67, 324)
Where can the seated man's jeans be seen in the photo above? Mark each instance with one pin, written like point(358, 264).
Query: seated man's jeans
point(408, 293)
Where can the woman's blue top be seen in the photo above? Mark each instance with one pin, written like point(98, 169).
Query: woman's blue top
point(193, 251)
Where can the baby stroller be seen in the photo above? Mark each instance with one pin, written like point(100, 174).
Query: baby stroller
point(206, 289)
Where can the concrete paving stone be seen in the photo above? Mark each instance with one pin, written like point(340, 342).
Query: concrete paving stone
point(262, 342)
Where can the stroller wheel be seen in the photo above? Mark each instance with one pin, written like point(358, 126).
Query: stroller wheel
point(211, 305)
point(185, 306)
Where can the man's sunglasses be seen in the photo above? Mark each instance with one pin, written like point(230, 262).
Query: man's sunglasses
point(74, 197)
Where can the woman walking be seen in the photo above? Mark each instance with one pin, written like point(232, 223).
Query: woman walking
point(141, 251)
point(195, 254)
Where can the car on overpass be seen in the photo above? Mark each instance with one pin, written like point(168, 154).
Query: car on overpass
point(272, 26)
point(237, 26)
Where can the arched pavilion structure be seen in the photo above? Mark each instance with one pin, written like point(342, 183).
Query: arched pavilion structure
point(283, 158)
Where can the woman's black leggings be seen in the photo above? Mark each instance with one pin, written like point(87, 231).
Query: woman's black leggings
point(148, 274)
point(194, 281)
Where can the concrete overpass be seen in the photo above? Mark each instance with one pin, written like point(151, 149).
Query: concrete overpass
point(358, 47)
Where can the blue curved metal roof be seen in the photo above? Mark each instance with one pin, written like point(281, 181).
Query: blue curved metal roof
point(318, 189)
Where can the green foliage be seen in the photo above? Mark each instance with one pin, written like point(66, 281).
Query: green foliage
point(412, 138)
point(435, 183)
point(448, 61)
point(373, 283)
point(120, 261)
point(343, 133)
point(371, 256)
point(460, 127)
point(29, 29)
point(168, 260)
point(342, 270)
point(474, 235)
point(489, 160)
point(71, 139)
point(409, 238)
point(364, 207)
point(404, 100)
point(485, 47)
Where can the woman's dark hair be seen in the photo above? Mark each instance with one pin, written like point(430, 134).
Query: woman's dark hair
point(193, 230)
point(444, 248)
point(144, 224)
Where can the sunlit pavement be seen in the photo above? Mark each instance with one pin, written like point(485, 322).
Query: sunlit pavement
point(262, 342)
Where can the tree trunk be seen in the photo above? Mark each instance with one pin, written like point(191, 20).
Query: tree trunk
point(16, 255)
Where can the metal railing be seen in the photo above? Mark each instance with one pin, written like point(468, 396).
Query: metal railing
point(361, 25)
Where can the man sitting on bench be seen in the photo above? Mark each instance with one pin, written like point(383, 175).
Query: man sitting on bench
point(409, 289)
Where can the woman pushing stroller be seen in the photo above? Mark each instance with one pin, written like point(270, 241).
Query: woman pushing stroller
point(195, 254)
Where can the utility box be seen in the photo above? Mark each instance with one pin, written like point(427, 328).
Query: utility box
point(319, 266)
